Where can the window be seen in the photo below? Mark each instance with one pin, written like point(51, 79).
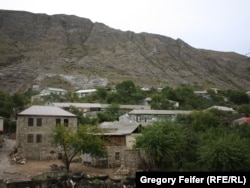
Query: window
point(38, 138)
point(58, 121)
point(30, 122)
point(39, 122)
point(30, 138)
point(117, 156)
point(66, 122)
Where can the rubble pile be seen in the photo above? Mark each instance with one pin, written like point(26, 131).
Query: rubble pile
point(17, 157)
point(122, 171)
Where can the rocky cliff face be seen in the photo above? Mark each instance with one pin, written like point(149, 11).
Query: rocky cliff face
point(72, 52)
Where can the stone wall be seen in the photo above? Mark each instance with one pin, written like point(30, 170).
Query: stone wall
point(131, 158)
point(113, 160)
point(39, 150)
point(128, 158)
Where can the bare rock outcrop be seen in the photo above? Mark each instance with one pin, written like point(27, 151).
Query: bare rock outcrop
point(80, 51)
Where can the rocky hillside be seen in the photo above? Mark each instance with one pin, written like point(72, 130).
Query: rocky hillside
point(38, 50)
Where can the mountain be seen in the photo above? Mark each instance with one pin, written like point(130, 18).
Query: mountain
point(38, 50)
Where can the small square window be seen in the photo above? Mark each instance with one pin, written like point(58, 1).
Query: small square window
point(30, 122)
point(39, 122)
point(66, 122)
point(58, 121)
point(38, 138)
point(30, 138)
point(117, 156)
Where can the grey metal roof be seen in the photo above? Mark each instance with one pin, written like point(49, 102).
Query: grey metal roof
point(46, 111)
point(118, 128)
point(55, 89)
point(77, 105)
point(139, 107)
point(97, 105)
point(222, 108)
point(158, 112)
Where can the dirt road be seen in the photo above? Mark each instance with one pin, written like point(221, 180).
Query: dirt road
point(11, 171)
point(7, 169)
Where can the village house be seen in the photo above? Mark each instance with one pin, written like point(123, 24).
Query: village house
point(222, 108)
point(92, 108)
point(83, 107)
point(34, 129)
point(83, 92)
point(51, 90)
point(119, 139)
point(201, 93)
point(145, 117)
point(242, 120)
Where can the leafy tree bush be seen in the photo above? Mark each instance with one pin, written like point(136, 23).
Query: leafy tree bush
point(162, 142)
point(244, 109)
point(81, 119)
point(9, 126)
point(128, 92)
point(223, 151)
point(201, 121)
point(104, 116)
point(238, 97)
point(73, 143)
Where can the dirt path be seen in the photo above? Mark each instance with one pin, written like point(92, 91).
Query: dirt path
point(7, 170)
point(11, 171)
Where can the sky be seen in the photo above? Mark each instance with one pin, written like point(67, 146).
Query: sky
point(221, 25)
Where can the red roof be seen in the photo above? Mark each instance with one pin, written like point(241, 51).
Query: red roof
point(242, 120)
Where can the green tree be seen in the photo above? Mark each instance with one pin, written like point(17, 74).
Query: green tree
point(113, 97)
point(162, 142)
point(161, 102)
point(201, 121)
point(244, 109)
point(81, 119)
point(222, 150)
point(238, 97)
point(128, 92)
point(6, 105)
point(101, 93)
point(73, 143)
point(103, 116)
point(114, 109)
point(72, 97)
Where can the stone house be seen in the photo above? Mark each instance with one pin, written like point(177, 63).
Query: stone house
point(34, 129)
point(84, 92)
point(83, 107)
point(93, 108)
point(119, 138)
point(223, 109)
point(51, 90)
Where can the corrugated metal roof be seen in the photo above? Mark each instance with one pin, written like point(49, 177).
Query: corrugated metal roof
point(222, 108)
point(77, 105)
point(46, 111)
point(86, 91)
point(159, 112)
point(55, 89)
point(118, 128)
point(98, 105)
point(139, 107)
